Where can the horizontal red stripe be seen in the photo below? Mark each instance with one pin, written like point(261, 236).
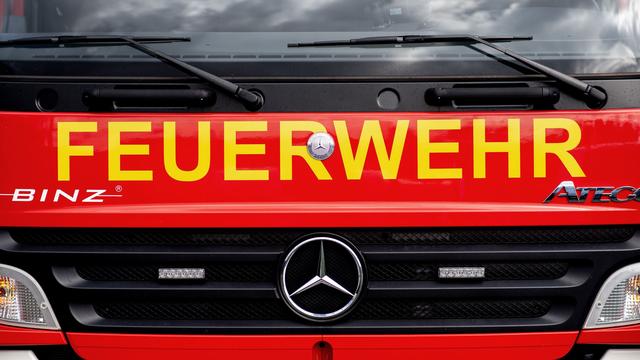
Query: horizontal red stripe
point(371, 347)
point(157, 347)
point(16, 336)
point(624, 335)
point(462, 346)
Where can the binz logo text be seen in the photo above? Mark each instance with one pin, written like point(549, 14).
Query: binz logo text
point(59, 196)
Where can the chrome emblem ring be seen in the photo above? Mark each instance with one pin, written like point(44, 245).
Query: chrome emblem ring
point(320, 146)
point(322, 278)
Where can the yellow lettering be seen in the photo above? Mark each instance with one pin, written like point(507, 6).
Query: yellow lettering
point(204, 153)
point(117, 150)
point(232, 149)
point(288, 150)
point(541, 147)
point(66, 150)
point(481, 147)
point(426, 148)
point(371, 131)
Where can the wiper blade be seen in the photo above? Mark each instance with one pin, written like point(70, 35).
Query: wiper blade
point(250, 99)
point(594, 97)
point(408, 39)
point(89, 40)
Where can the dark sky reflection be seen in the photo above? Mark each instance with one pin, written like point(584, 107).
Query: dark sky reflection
point(605, 29)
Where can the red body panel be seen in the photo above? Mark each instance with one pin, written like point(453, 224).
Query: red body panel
point(477, 346)
point(625, 335)
point(113, 346)
point(15, 336)
point(371, 347)
point(29, 148)
point(28, 144)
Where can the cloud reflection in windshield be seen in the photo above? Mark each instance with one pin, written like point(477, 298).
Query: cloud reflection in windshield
point(606, 29)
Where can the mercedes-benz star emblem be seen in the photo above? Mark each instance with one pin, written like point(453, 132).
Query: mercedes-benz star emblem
point(320, 146)
point(322, 278)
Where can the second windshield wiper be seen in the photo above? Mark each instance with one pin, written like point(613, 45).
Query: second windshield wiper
point(251, 100)
point(592, 96)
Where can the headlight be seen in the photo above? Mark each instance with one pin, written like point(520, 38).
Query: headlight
point(618, 302)
point(22, 301)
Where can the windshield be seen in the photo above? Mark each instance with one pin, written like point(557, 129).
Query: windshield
point(249, 37)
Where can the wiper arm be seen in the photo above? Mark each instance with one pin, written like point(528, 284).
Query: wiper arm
point(594, 97)
point(251, 100)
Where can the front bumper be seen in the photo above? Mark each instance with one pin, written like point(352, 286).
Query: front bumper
point(322, 347)
point(551, 345)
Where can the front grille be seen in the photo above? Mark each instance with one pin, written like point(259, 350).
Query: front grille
point(541, 279)
point(270, 237)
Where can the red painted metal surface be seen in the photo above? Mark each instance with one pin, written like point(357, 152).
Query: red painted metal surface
point(16, 336)
point(341, 347)
point(171, 347)
point(476, 346)
point(28, 144)
point(625, 335)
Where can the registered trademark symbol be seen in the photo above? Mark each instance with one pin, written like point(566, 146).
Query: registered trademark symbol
point(118, 188)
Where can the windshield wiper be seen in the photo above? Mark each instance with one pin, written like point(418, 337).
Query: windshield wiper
point(594, 97)
point(250, 99)
point(85, 40)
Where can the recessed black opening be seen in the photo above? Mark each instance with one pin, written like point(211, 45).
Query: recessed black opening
point(47, 100)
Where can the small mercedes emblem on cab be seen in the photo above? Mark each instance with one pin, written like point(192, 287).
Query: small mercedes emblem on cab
point(320, 145)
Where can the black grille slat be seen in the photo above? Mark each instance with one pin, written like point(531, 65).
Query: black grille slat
point(570, 235)
point(270, 237)
point(413, 271)
point(225, 272)
point(452, 309)
point(372, 310)
point(221, 310)
point(155, 237)
point(266, 272)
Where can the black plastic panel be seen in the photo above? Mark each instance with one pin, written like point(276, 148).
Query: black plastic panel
point(95, 285)
point(283, 237)
point(282, 96)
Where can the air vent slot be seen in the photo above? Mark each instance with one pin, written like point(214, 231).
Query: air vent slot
point(147, 99)
point(506, 96)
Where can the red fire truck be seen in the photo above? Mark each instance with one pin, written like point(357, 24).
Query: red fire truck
point(280, 179)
